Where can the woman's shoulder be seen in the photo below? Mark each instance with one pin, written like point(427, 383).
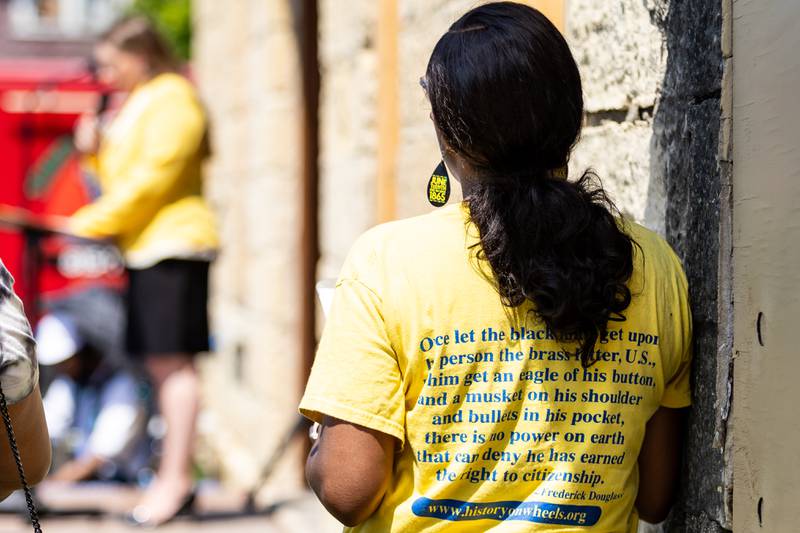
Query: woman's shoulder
point(424, 237)
point(653, 254)
point(171, 99)
point(421, 231)
point(171, 81)
point(172, 89)
point(649, 241)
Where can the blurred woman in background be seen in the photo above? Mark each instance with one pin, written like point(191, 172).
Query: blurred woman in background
point(149, 162)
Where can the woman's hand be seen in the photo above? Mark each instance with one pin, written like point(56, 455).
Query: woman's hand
point(58, 224)
point(349, 469)
point(86, 136)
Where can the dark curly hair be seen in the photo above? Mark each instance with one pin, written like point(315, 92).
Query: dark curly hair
point(506, 96)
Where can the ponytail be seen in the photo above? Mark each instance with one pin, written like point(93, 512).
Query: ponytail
point(557, 244)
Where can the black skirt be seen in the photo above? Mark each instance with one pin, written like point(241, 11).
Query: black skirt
point(168, 308)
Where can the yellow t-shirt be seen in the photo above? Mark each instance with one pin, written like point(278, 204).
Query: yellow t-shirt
point(500, 426)
point(150, 171)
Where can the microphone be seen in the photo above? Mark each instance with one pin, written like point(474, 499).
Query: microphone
point(102, 103)
point(105, 94)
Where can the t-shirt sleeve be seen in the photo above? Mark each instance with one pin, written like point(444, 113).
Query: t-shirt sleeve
point(677, 391)
point(356, 377)
point(19, 371)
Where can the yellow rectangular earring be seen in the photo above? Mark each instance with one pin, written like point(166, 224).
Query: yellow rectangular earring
point(439, 186)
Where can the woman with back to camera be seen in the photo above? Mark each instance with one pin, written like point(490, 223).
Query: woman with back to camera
point(516, 362)
point(149, 163)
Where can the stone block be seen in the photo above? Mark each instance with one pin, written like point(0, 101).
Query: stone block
point(620, 155)
point(687, 140)
point(346, 28)
point(619, 48)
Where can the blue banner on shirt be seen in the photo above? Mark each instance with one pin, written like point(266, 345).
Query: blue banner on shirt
point(539, 512)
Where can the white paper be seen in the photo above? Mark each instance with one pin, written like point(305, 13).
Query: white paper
point(646, 527)
point(325, 289)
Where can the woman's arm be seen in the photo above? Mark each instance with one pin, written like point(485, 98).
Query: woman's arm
point(30, 430)
point(349, 469)
point(19, 377)
point(659, 464)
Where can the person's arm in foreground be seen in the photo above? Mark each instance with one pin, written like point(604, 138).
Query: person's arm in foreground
point(659, 464)
point(30, 430)
point(77, 469)
point(19, 377)
point(349, 469)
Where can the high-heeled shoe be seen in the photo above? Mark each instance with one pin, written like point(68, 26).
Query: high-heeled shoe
point(140, 515)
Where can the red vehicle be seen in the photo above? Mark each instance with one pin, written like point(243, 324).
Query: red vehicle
point(41, 174)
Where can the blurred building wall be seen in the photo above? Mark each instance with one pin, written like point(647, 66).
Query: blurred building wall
point(348, 114)
point(249, 73)
point(765, 195)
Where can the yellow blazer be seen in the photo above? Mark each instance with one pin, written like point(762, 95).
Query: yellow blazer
point(150, 171)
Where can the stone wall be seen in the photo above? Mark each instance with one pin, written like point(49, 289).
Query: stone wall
point(687, 152)
point(348, 116)
point(421, 24)
point(247, 67)
point(348, 127)
point(619, 48)
point(652, 73)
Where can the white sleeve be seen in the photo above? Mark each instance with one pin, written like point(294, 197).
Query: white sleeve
point(120, 419)
point(59, 407)
point(19, 372)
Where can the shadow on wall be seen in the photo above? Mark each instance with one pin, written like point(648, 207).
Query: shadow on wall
point(656, 193)
point(684, 150)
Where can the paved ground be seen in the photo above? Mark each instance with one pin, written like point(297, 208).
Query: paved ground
point(215, 512)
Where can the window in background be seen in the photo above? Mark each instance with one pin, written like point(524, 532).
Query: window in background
point(60, 19)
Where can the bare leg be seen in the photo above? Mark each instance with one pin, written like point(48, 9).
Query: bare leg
point(177, 386)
